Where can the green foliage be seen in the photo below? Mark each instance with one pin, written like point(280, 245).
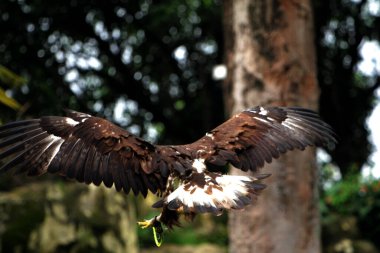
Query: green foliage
point(353, 197)
point(9, 78)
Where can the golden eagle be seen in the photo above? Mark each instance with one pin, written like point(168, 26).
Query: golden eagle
point(93, 150)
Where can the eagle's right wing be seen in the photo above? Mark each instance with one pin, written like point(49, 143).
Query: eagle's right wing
point(255, 136)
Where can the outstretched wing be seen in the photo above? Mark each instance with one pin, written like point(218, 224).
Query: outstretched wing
point(81, 147)
point(255, 136)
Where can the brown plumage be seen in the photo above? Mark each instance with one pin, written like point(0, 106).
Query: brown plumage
point(93, 150)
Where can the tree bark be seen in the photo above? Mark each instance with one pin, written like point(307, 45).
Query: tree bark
point(270, 58)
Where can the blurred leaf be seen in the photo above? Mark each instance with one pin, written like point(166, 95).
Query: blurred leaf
point(12, 80)
point(9, 78)
point(10, 102)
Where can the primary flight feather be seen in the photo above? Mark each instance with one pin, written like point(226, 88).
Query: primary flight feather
point(93, 150)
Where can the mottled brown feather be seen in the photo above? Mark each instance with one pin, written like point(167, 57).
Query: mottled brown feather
point(261, 134)
point(93, 150)
point(82, 147)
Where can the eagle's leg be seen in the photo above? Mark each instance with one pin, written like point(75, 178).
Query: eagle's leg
point(156, 226)
point(154, 222)
point(167, 217)
point(159, 204)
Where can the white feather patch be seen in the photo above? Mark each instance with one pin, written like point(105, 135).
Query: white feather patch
point(218, 193)
point(71, 122)
point(263, 111)
point(199, 165)
point(210, 135)
point(56, 149)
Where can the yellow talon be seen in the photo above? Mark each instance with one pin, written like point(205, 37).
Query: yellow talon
point(146, 223)
point(157, 229)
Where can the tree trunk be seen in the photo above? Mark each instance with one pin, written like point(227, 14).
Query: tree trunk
point(270, 58)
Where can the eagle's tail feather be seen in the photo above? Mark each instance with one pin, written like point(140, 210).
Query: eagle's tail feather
point(215, 193)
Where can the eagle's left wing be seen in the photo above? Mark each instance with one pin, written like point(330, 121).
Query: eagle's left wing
point(255, 136)
point(82, 147)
